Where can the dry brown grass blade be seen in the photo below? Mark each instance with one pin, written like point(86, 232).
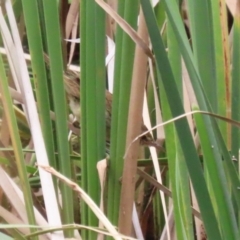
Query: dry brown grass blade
point(99, 214)
point(187, 107)
point(13, 196)
point(71, 17)
point(12, 219)
point(228, 120)
point(232, 5)
point(71, 27)
point(74, 36)
point(159, 186)
point(160, 131)
point(133, 129)
point(126, 27)
point(102, 173)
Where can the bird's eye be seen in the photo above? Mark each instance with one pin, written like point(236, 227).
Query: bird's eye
point(76, 99)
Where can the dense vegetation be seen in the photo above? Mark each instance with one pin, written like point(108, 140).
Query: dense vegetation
point(173, 68)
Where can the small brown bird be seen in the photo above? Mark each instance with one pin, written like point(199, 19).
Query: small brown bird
point(72, 87)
